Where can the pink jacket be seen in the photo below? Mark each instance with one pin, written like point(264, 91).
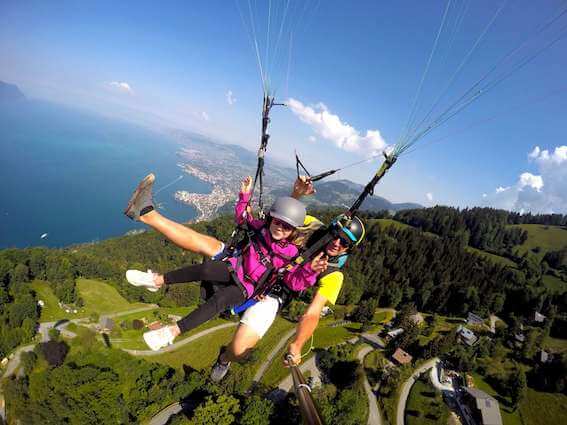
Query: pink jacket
point(297, 279)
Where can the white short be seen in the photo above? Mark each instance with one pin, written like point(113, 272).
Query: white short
point(261, 315)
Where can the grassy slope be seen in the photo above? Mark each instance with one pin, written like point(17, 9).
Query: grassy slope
point(555, 344)
point(492, 257)
point(544, 408)
point(548, 238)
point(420, 398)
point(554, 284)
point(99, 297)
point(102, 298)
point(324, 337)
point(199, 354)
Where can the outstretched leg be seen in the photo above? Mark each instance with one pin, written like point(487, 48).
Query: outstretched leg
point(141, 208)
point(181, 235)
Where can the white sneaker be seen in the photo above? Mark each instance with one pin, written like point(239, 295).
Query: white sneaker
point(145, 279)
point(159, 338)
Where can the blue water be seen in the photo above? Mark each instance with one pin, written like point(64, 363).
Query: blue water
point(71, 174)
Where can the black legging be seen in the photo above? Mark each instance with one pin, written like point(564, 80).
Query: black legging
point(220, 292)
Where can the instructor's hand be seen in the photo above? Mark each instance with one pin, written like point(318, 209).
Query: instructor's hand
point(303, 186)
point(293, 356)
point(319, 264)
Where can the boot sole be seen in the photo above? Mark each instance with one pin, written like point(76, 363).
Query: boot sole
point(148, 180)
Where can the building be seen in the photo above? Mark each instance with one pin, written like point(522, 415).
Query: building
point(106, 324)
point(416, 318)
point(544, 357)
point(466, 336)
point(401, 357)
point(537, 317)
point(519, 339)
point(393, 334)
point(474, 319)
point(484, 408)
point(326, 311)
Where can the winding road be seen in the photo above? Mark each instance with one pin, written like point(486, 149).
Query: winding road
point(374, 416)
point(264, 366)
point(406, 387)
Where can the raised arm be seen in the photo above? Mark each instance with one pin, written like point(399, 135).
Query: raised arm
point(303, 186)
point(242, 209)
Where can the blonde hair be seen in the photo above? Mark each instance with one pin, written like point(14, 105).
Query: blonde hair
point(303, 233)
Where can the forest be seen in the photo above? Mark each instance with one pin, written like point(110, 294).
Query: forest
point(427, 263)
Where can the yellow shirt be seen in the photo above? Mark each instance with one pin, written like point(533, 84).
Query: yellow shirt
point(329, 285)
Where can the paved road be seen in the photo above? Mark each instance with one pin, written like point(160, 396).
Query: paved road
point(406, 387)
point(264, 366)
point(15, 360)
point(181, 343)
point(374, 340)
point(310, 365)
point(163, 416)
point(374, 416)
point(434, 376)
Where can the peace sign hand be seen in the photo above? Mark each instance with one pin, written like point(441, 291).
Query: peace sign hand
point(320, 263)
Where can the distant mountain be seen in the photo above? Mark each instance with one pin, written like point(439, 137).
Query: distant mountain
point(10, 92)
point(224, 165)
point(342, 193)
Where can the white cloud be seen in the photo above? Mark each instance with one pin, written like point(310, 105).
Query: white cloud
point(230, 99)
point(205, 116)
point(429, 196)
point(544, 192)
point(330, 127)
point(529, 180)
point(312, 139)
point(121, 86)
point(484, 195)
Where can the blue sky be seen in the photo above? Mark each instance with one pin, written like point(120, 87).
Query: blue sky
point(355, 67)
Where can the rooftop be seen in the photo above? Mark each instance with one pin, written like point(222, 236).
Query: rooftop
point(401, 356)
point(488, 406)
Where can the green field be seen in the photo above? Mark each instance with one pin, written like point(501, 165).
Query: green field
point(555, 344)
point(423, 407)
point(388, 222)
point(99, 297)
point(374, 360)
point(554, 284)
point(544, 408)
point(548, 238)
point(324, 337)
point(509, 417)
point(102, 298)
point(51, 310)
point(199, 354)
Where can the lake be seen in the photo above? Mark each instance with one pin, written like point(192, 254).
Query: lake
point(70, 174)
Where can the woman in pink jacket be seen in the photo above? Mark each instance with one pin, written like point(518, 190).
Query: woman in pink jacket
point(232, 281)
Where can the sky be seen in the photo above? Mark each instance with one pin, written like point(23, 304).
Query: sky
point(350, 73)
